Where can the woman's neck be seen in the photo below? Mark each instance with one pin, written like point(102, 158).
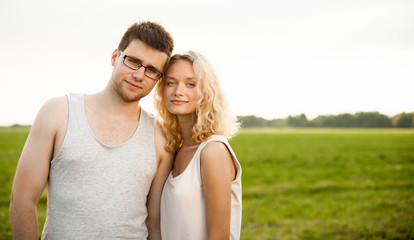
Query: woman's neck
point(186, 126)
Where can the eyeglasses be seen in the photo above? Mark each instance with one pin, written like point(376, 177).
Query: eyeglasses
point(134, 64)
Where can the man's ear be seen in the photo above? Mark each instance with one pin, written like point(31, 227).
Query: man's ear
point(114, 56)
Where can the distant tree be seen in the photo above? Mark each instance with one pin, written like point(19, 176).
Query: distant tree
point(323, 121)
point(403, 120)
point(298, 121)
point(342, 120)
point(372, 120)
point(20, 126)
point(278, 123)
point(345, 120)
point(359, 120)
point(253, 121)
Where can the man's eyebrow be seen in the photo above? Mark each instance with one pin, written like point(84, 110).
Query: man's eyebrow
point(140, 62)
point(150, 66)
point(134, 58)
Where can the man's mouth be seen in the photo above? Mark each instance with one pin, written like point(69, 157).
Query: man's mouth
point(133, 85)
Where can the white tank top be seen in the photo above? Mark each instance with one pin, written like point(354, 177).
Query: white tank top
point(97, 191)
point(182, 203)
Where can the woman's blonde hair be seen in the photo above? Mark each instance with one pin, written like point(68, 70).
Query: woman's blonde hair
point(212, 113)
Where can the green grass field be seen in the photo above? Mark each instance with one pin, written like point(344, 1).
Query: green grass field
point(350, 184)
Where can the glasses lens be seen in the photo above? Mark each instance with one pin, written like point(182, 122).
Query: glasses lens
point(149, 71)
point(129, 62)
point(152, 73)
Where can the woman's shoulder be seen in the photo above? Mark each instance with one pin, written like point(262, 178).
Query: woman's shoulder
point(215, 147)
point(217, 154)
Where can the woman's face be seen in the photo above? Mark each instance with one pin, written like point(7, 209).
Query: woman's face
point(180, 92)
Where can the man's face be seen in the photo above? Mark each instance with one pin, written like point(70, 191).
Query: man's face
point(132, 85)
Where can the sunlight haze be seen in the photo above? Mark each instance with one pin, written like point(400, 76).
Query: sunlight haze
point(274, 58)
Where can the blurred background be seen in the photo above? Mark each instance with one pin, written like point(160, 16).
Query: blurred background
point(275, 58)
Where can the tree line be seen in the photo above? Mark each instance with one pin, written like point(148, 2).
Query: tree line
point(346, 120)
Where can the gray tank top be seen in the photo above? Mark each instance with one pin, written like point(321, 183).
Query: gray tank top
point(97, 191)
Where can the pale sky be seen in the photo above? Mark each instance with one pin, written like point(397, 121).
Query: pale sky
point(274, 58)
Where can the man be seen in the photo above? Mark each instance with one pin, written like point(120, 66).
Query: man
point(101, 155)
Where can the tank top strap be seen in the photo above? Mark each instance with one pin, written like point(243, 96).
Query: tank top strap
point(218, 138)
point(77, 117)
point(147, 120)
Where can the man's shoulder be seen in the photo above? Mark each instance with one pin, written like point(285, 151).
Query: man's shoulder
point(54, 105)
point(54, 110)
point(56, 102)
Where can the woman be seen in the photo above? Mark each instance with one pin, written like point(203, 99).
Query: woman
point(202, 195)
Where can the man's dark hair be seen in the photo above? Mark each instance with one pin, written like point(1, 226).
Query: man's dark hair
point(150, 33)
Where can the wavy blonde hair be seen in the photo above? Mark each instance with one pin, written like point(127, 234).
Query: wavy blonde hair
point(212, 113)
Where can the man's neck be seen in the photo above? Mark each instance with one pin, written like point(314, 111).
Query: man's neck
point(112, 121)
point(111, 103)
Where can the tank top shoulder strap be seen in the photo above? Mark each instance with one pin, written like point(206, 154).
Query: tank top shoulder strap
point(76, 110)
point(212, 138)
point(220, 138)
point(147, 119)
point(145, 130)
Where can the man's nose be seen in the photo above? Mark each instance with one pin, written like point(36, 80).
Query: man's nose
point(139, 74)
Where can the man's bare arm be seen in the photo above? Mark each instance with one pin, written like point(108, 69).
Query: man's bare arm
point(33, 169)
point(165, 164)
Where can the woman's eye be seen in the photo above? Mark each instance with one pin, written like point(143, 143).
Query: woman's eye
point(191, 84)
point(169, 83)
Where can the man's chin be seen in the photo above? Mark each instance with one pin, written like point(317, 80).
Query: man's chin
point(127, 95)
point(130, 99)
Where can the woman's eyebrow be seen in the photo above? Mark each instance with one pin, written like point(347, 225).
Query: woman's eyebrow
point(186, 78)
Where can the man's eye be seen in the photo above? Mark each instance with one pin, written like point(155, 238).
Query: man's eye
point(152, 70)
point(133, 61)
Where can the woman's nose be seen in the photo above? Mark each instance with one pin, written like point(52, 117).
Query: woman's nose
point(179, 90)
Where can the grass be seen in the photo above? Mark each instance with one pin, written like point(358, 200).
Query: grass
point(11, 145)
point(340, 184)
point(327, 183)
